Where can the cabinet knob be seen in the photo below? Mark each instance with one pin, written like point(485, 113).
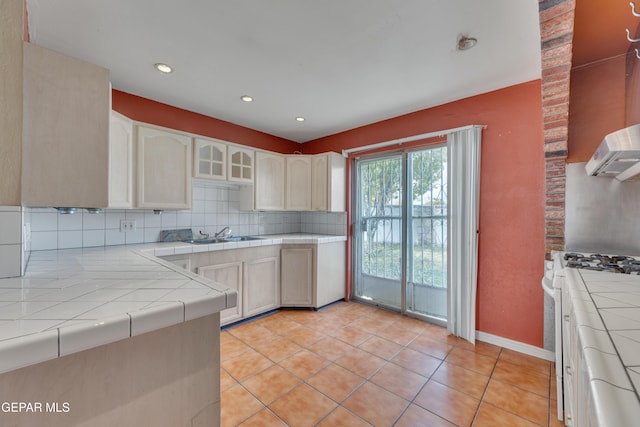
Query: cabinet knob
point(567, 317)
point(569, 370)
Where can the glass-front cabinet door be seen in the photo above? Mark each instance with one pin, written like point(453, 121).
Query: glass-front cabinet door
point(210, 159)
point(240, 164)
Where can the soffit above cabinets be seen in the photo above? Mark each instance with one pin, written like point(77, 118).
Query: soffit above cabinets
point(338, 64)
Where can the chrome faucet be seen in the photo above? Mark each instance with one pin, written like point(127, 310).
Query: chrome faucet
point(222, 233)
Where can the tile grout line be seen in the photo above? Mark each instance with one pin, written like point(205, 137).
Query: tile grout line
point(387, 360)
point(484, 392)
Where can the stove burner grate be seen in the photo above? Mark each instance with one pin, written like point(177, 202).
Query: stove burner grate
point(598, 262)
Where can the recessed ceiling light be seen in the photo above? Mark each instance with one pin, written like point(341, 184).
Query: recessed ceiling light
point(246, 98)
point(465, 42)
point(163, 68)
point(300, 119)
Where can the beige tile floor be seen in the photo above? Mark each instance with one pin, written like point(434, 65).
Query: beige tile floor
point(355, 365)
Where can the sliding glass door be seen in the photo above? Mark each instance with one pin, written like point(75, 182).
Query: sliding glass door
point(379, 229)
point(426, 284)
point(401, 231)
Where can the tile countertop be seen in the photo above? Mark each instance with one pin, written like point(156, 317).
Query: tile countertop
point(179, 248)
point(607, 312)
point(75, 299)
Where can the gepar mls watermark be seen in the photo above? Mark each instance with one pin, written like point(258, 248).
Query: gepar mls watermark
point(35, 407)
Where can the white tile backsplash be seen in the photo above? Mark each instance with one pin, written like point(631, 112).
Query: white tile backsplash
point(68, 239)
point(13, 246)
point(114, 237)
point(43, 221)
point(44, 240)
point(93, 221)
point(10, 227)
point(10, 260)
point(91, 238)
point(70, 222)
point(215, 205)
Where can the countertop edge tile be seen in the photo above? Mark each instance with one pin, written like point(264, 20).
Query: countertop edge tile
point(91, 334)
point(605, 396)
point(182, 250)
point(202, 306)
point(28, 350)
point(164, 251)
point(157, 317)
point(606, 367)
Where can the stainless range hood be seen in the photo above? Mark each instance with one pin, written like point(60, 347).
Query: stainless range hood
point(618, 155)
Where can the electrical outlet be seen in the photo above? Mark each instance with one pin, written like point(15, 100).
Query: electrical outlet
point(127, 225)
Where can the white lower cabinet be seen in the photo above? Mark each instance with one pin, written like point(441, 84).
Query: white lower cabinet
point(330, 272)
point(297, 276)
point(229, 275)
point(254, 273)
point(272, 276)
point(569, 358)
point(577, 389)
point(313, 275)
point(261, 286)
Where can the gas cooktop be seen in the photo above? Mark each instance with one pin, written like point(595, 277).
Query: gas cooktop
point(598, 262)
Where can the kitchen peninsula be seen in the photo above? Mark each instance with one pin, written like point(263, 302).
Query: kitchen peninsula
point(109, 336)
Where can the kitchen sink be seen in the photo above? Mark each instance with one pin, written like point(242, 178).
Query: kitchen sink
point(241, 238)
point(226, 239)
point(203, 241)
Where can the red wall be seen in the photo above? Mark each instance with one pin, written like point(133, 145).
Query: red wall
point(152, 112)
point(511, 249)
point(596, 106)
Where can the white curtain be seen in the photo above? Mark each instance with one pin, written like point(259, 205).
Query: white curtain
point(463, 147)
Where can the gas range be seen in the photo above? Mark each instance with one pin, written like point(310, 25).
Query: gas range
point(598, 262)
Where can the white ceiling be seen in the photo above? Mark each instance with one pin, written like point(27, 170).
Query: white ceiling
point(339, 63)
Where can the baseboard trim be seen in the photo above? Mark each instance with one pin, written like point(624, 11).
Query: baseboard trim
point(518, 346)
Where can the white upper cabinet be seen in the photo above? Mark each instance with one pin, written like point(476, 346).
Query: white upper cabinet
point(269, 183)
point(164, 169)
point(297, 183)
point(66, 107)
point(328, 182)
point(210, 159)
point(241, 165)
point(298, 187)
point(120, 161)
point(320, 183)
